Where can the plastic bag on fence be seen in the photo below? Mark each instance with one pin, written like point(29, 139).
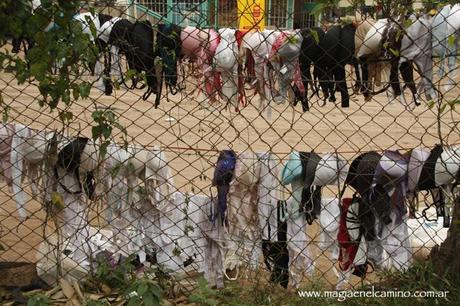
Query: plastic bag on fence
point(426, 234)
point(75, 264)
point(47, 257)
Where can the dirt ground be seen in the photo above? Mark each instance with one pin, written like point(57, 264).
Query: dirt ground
point(191, 131)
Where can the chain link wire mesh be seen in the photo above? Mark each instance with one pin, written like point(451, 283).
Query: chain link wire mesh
point(158, 194)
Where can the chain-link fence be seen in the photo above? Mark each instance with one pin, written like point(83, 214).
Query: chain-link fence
point(278, 155)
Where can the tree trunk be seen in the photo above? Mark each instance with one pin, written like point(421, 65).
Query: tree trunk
point(446, 257)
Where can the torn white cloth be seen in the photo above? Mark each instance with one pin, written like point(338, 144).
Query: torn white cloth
point(72, 268)
point(226, 61)
point(105, 29)
point(426, 234)
point(27, 154)
point(300, 260)
point(251, 211)
point(208, 236)
point(6, 138)
point(268, 194)
point(329, 221)
point(392, 249)
point(182, 234)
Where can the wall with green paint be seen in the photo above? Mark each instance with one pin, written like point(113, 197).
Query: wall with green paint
point(213, 13)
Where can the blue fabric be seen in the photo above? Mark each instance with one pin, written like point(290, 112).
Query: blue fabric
point(292, 170)
point(223, 175)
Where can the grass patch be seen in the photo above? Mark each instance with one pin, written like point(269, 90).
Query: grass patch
point(258, 291)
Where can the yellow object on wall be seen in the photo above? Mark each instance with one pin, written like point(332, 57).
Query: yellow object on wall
point(251, 15)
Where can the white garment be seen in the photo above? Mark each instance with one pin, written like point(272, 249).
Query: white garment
point(268, 196)
point(225, 59)
point(86, 19)
point(251, 210)
point(73, 218)
point(106, 28)
point(17, 157)
point(36, 4)
point(103, 33)
point(209, 237)
point(115, 68)
point(364, 251)
point(390, 250)
point(27, 154)
point(260, 45)
point(181, 230)
point(393, 249)
point(300, 260)
point(329, 221)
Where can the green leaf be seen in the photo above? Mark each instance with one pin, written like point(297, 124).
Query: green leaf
point(6, 113)
point(176, 251)
point(142, 289)
point(443, 108)
point(107, 131)
point(38, 70)
point(130, 73)
point(75, 93)
point(315, 36)
point(134, 301)
point(2, 248)
point(394, 52)
point(84, 89)
point(104, 146)
point(155, 289)
point(408, 23)
point(38, 300)
point(65, 116)
point(150, 300)
point(96, 115)
point(96, 131)
point(453, 103)
point(431, 104)
point(451, 40)
point(57, 200)
point(318, 9)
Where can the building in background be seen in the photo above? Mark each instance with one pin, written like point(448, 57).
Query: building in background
point(211, 13)
point(280, 14)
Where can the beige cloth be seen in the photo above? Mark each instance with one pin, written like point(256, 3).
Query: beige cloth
point(6, 138)
point(377, 70)
point(251, 211)
point(242, 207)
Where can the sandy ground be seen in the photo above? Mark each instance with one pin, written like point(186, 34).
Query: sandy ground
point(182, 124)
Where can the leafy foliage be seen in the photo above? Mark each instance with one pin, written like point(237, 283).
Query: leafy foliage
point(256, 291)
point(117, 277)
point(38, 300)
point(143, 292)
point(102, 302)
point(105, 121)
point(65, 46)
point(203, 295)
point(62, 52)
point(122, 278)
